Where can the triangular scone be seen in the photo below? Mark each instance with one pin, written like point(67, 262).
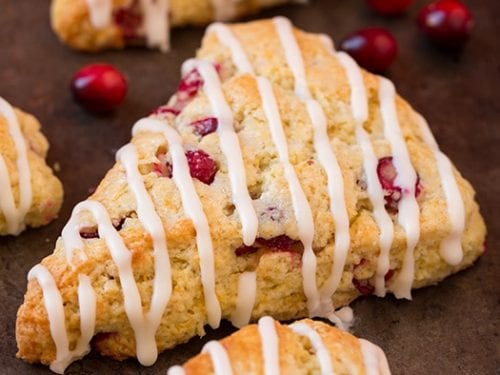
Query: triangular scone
point(94, 25)
point(30, 193)
point(304, 347)
point(305, 194)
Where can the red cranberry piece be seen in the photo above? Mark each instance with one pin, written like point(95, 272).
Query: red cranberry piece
point(88, 233)
point(201, 166)
point(129, 20)
point(373, 48)
point(99, 87)
point(189, 86)
point(205, 126)
point(447, 22)
point(163, 169)
point(389, 7)
point(363, 286)
point(245, 250)
point(165, 110)
point(279, 243)
point(389, 275)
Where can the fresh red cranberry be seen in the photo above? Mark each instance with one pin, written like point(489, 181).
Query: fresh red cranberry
point(373, 48)
point(201, 166)
point(279, 243)
point(129, 20)
point(245, 250)
point(205, 126)
point(392, 193)
point(389, 7)
point(99, 87)
point(363, 286)
point(447, 22)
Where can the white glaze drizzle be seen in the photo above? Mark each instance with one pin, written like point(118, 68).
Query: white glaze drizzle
point(193, 209)
point(409, 212)
point(270, 345)
point(100, 12)
point(300, 204)
point(245, 300)
point(230, 147)
point(451, 246)
point(176, 370)
point(156, 27)
point(359, 106)
point(227, 38)
point(14, 216)
point(375, 361)
point(322, 353)
point(328, 161)
point(225, 10)
point(55, 312)
point(220, 359)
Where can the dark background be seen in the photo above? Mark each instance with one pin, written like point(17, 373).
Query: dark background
point(451, 328)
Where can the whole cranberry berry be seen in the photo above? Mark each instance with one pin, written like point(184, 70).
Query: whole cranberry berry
point(374, 48)
point(99, 87)
point(389, 7)
point(446, 22)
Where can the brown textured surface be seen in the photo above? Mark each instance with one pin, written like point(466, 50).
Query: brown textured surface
point(448, 329)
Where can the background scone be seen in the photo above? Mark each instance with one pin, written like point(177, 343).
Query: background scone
point(280, 180)
point(93, 25)
point(31, 194)
point(304, 347)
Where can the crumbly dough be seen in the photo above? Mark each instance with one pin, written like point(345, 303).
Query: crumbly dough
point(279, 277)
point(296, 355)
point(70, 20)
point(47, 189)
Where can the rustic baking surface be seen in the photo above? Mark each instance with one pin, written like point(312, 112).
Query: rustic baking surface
point(451, 328)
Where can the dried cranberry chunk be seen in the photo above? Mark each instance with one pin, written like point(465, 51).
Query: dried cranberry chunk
point(201, 166)
point(205, 126)
point(389, 275)
point(363, 286)
point(279, 243)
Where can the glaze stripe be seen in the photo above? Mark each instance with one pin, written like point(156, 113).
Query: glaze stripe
point(14, 217)
point(220, 359)
point(375, 362)
point(270, 345)
point(245, 300)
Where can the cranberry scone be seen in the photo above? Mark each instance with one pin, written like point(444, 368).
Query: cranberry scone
point(304, 347)
point(30, 193)
point(281, 180)
point(93, 25)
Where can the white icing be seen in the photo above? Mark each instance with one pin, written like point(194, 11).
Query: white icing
point(359, 105)
point(55, 312)
point(176, 370)
point(324, 359)
point(375, 362)
point(226, 37)
point(14, 216)
point(156, 23)
point(225, 10)
point(100, 12)
point(328, 161)
point(220, 359)
point(245, 301)
point(409, 212)
point(300, 204)
point(270, 345)
point(230, 147)
point(193, 209)
point(451, 246)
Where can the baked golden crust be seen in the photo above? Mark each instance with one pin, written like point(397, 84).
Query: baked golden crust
point(296, 355)
point(46, 188)
point(279, 278)
point(71, 22)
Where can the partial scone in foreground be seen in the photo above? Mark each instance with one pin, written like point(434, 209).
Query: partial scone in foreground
point(94, 25)
point(304, 347)
point(30, 193)
point(280, 180)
